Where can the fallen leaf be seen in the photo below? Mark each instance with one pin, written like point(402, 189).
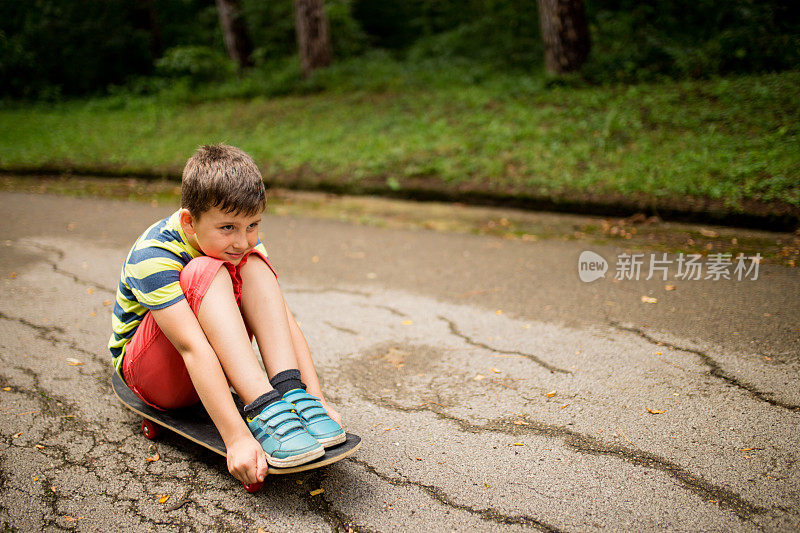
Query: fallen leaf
point(315, 259)
point(709, 233)
point(520, 423)
point(70, 519)
point(551, 394)
point(317, 491)
point(658, 353)
point(90, 291)
point(6, 389)
point(669, 288)
point(747, 449)
point(494, 370)
point(654, 411)
point(389, 429)
point(563, 406)
point(73, 362)
point(38, 446)
point(407, 322)
point(107, 303)
point(154, 456)
point(162, 498)
point(17, 435)
point(499, 312)
point(649, 300)
point(479, 377)
point(518, 444)
point(12, 275)
point(92, 314)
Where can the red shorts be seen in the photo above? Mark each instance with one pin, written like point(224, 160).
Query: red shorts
point(152, 367)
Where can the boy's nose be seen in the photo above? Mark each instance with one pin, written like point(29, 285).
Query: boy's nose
point(241, 241)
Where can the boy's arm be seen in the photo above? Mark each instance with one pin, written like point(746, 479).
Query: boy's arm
point(246, 460)
point(306, 365)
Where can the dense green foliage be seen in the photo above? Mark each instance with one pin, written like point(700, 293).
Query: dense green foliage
point(71, 47)
point(731, 139)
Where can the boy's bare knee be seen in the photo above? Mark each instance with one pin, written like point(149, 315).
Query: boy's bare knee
point(222, 281)
point(255, 268)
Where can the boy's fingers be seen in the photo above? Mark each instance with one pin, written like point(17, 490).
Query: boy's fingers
point(261, 471)
point(244, 474)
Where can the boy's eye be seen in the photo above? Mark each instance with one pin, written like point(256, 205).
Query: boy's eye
point(227, 228)
point(253, 225)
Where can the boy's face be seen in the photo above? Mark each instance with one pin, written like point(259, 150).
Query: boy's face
point(221, 235)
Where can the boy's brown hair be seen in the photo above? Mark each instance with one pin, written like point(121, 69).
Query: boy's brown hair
point(222, 176)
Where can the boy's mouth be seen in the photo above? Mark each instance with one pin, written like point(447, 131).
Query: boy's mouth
point(234, 255)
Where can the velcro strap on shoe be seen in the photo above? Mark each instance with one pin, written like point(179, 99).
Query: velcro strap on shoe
point(289, 427)
point(315, 410)
point(281, 406)
point(280, 418)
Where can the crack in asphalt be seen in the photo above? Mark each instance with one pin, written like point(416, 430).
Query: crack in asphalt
point(391, 310)
point(340, 328)
point(724, 498)
point(715, 368)
point(321, 506)
point(438, 494)
point(49, 497)
point(48, 334)
point(58, 454)
point(455, 331)
point(67, 273)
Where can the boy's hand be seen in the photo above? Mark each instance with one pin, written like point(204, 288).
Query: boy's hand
point(335, 416)
point(247, 461)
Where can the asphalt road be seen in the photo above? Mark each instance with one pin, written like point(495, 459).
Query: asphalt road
point(494, 389)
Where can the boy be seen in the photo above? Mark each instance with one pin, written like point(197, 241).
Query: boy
point(194, 290)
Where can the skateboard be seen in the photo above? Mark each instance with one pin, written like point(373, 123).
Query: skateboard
point(194, 424)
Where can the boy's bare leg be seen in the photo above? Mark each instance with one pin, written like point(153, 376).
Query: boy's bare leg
point(280, 340)
point(265, 312)
point(222, 323)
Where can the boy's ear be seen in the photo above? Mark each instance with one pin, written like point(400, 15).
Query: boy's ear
point(187, 222)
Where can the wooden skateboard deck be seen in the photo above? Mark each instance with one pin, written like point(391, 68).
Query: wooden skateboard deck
point(194, 424)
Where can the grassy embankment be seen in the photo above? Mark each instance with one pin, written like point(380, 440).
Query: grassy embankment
point(731, 145)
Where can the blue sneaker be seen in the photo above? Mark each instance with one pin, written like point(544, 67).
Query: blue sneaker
point(282, 435)
point(315, 418)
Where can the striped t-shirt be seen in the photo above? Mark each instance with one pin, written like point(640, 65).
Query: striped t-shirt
point(150, 279)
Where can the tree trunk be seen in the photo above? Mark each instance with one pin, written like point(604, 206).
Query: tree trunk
point(156, 43)
point(565, 35)
point(313, 41)
point(234, 31)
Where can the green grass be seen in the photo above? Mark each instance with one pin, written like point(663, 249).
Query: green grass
point(730, 139)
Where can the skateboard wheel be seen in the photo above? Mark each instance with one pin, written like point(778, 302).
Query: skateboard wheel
point(150, 429)
point(253, 487)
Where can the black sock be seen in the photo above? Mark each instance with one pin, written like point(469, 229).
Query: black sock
point(287, 380)
point(258, 405)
